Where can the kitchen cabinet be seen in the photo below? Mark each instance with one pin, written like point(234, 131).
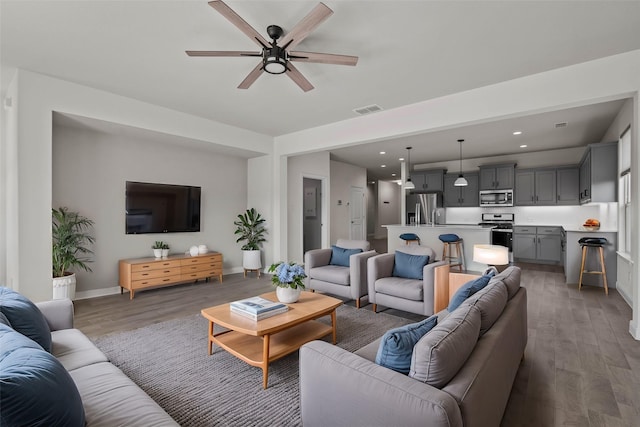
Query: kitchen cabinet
point(428, 180)
point(497, 177)
point(599, 173)
point(538, 243)
point(535, 187)
point(567, 185)
point(466, 196)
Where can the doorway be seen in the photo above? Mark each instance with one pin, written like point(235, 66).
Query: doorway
point(312, 214)
point(357, 215)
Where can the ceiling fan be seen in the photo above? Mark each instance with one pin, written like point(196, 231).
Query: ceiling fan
point(277, 58)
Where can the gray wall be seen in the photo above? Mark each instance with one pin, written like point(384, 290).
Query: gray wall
point(89, 172)
point(343, 177)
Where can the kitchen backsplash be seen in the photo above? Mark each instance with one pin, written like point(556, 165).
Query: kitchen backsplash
point(570, 217)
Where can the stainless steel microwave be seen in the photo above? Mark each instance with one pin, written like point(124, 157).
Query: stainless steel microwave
point(496, 198)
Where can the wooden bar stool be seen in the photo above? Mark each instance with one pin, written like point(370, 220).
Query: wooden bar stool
point(410, 238)
point(596, 243)
point(449, 241)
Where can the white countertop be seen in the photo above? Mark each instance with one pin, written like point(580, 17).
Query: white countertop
point(573, 229)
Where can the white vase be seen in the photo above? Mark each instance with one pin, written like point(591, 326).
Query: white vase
point(157, 253)
point(193, 251)
point(165, 253)
point(287, 295)
point(64, 287)
point(203, 249)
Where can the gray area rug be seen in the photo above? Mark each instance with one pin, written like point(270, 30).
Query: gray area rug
point(169, 362)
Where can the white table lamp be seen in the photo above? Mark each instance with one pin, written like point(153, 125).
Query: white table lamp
point(492, 255)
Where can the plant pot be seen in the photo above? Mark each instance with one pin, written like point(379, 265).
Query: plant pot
point(165, 253)
point(251, 260)
point(287, 295)
point(157, 253)
point(64, 287)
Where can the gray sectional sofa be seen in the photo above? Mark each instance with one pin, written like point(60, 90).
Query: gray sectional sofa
point(339, 388)
point(108, 396)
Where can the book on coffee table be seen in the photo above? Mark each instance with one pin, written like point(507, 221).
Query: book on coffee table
point(257, 305)
point(260, 316)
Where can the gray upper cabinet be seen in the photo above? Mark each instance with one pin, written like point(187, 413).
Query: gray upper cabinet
point(428, 181)
point(567, 186)
point(461, 196)
point(599, 173)
point(535, 187)
point(497, 177)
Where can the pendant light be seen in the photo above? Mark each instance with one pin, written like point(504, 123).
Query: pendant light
point(461, 181)
point(409, 185)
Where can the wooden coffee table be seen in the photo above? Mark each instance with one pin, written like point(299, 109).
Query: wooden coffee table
point(260, 342)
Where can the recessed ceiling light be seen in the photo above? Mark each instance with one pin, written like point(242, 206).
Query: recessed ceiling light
point(393, 174)
point(523, 146)
point(518, 132)
point(383, 152)
point(383, 166)
point(401, 159)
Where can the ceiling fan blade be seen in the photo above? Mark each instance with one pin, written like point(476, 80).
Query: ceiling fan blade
point(303, 28)
point(221, 53)
point(252, 76)
point(323, 58)
point(236, 20)
point(297, 77)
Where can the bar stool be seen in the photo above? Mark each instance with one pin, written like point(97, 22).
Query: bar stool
point(593, 242)
point(410, 238)
point(448, 241)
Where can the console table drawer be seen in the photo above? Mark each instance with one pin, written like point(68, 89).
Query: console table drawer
point(155, 265)
point(200, 274)
point(152, 274)
point(201, 267)
point(164, 280)
point(201, 260)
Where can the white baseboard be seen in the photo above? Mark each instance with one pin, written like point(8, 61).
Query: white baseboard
point(95, 293)
point(624, 296)
point(634, 330)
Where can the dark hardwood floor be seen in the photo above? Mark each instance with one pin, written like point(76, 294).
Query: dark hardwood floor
point(581, 367)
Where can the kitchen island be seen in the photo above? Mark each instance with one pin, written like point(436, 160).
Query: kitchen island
point(471, 234)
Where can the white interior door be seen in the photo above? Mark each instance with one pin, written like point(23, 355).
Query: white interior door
point(357, 213)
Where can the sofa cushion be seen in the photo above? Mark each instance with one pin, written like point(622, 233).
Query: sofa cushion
point(402, 288)
point(4, 320)
point(440, 354)
point(340, 256)
point(409, 266)
point(36, 389)
point(73, 349)
point(25, 317)
point(332, 274)
point(111, 399)
point(511, 279)
point(466, 290)
point(396, 346)
point(491, 302)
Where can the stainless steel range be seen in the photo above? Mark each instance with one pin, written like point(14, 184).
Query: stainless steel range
point(501, 228)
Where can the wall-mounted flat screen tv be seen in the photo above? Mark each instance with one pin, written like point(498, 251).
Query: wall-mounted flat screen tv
point(161, 208)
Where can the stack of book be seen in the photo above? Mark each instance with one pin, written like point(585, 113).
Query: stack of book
point(257, 308)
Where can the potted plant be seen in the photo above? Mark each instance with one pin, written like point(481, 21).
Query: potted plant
point(157, 248)
point(250, 229)
point(288, 279)
point(69, 249)
point(165, 250)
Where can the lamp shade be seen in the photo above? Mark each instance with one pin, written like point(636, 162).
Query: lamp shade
point(409, 185)
point(491, 254)
point(460, 182)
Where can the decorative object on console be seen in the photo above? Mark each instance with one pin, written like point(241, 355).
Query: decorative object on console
point(460, 181)
point(160, 249)
point(288, 279)
point(202, 249)
point(70, 239)
point(193, 251)
point(249, 227)
point(492, 255)
point(409, 185)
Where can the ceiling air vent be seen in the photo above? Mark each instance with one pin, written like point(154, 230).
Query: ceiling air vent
point(368, 109)
point(561, 125)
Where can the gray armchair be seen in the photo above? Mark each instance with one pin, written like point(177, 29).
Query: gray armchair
point(347, 282)
point(412, 295)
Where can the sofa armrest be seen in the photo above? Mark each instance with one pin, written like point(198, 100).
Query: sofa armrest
point(59, 313)
point(378, 266)
point(315, 258)
point(428, 284)
point(339, 388)
point(358, 273)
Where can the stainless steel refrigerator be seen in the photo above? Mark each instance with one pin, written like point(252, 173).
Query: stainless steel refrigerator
point(425, 208)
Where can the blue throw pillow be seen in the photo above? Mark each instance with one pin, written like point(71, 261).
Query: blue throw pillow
point(468, 289)
point(396, 345)
point(25, 317)
point(340, 256)
point(409, 266)
point(36, 389)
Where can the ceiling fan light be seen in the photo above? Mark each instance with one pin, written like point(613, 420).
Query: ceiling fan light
point(460, 181)
point(275, 65)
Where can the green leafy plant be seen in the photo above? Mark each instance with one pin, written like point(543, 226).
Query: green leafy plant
point(165, 246)
point(250, 228)
point(159, 244)
point(70, 239)
point(287, 275)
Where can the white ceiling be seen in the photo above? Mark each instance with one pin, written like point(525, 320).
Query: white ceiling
point(409, 51)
